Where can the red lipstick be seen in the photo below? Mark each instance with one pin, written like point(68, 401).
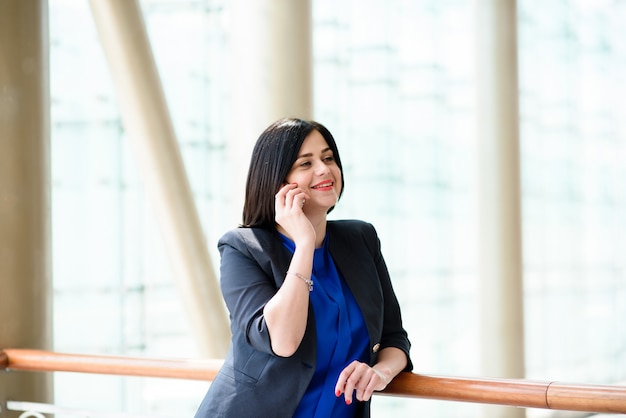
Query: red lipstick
point(324, 185)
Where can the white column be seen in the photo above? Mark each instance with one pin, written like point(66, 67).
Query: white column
point(146, 117)
point(500, 240)
point(25, 268)
point(271, 76)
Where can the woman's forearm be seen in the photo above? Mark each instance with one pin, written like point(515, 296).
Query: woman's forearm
point(286, 313)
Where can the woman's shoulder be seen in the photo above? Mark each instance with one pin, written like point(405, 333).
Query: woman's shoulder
point(351, 225)
point(353, 236)
point(351, 229)
point(260, 244)
point(246, 235)
point(249, 239)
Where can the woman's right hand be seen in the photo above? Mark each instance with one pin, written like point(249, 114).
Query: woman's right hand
point(290, 201)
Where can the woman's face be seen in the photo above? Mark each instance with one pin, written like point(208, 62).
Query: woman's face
point(315, 170)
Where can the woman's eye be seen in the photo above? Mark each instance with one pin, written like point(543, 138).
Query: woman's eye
point(329, 159)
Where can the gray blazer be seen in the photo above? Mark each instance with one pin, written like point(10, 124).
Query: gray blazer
point(255, 382)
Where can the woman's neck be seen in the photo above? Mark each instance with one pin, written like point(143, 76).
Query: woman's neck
point(320, 231)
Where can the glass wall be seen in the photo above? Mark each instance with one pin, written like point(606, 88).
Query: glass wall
point(573, 134)
point(114, 291)
point(394, 83)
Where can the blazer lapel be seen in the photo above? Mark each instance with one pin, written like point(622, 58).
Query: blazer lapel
point(358, 269)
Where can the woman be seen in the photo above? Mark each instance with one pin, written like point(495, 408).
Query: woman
point(316, 326)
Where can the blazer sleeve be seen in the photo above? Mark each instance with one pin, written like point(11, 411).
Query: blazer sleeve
point(393, 332)
point(247, 284)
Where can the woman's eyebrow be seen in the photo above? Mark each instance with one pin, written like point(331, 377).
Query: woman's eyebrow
point(310, 154)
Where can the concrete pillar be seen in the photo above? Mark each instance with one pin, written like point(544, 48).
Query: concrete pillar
point(146, 118)
point(500, 244)
point(271, 76)
point(25, 268)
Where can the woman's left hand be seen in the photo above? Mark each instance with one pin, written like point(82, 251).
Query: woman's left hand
point(362, 378)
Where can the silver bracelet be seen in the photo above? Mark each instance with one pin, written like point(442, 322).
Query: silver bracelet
point(309, 282)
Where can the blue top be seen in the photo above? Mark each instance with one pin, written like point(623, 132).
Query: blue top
point(341, 337)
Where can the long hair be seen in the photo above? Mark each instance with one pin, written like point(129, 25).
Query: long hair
point(273, 156)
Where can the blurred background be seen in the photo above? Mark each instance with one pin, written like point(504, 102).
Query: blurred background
point(395, 83)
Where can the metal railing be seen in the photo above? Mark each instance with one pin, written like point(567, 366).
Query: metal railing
point(510, 392)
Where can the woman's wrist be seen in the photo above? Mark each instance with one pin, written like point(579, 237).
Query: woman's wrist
point(308, 281)
point(391, 361)
point(385, 374)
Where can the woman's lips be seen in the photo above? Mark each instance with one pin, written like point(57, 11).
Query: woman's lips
point(324, 185)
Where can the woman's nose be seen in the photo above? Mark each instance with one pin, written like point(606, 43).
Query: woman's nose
point(321, 168)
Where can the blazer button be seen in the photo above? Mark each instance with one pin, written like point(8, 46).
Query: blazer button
point(376, 348)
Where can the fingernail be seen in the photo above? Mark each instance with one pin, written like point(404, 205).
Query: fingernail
point(337, 393)
point(348, 401)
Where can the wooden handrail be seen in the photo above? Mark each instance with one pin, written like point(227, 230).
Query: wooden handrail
point(511, 392)
point(47, 361)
